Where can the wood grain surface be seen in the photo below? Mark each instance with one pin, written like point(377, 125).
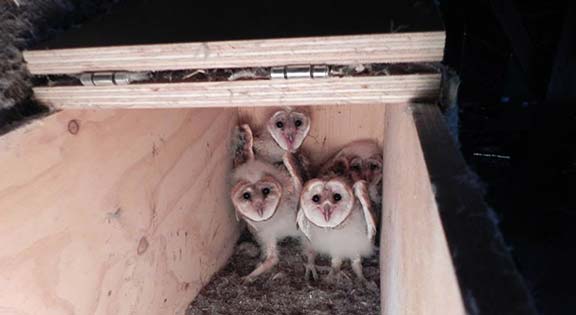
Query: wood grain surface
point(351, 49)
point(417, 274)
point(333, 91)
point(114, 212)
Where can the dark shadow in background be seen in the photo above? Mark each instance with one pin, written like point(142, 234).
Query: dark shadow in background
point(518, 130)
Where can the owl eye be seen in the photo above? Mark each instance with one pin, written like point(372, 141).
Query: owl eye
point(316, 198)
point(246, 196)
point(265, 191)
point(298, 123)
point(279, 124)
point(374, 167)
point(337, 197)
point(356, 167)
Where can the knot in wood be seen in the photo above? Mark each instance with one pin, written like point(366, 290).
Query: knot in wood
point(142, 245)
point(73, 126)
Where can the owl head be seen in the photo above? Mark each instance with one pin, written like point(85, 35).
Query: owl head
point(327, 203)
point(256, 191)
point(289, 128)
point(366, 168)
point(358, 160)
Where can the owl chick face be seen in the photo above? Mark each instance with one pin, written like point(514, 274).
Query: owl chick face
point(369, 169)
point(327, 203)
point(289, 129)
point(257, 201)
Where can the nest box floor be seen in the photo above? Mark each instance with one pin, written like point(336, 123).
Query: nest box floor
point(284, 290)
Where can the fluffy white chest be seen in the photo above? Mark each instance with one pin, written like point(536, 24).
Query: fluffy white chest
point(348, 240)
point(281, 225)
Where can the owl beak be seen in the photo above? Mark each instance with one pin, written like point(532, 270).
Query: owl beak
point(327, 212)
point(290, 140)
point(290, 135)
point(259, 208)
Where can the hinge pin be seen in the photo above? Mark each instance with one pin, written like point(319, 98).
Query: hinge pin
point(105, 78)
point(300, 72)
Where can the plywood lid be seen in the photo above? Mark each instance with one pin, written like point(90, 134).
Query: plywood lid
point(168, 35)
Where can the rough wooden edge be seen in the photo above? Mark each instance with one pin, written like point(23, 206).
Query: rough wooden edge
point(381, 48)
point(488, 279)
point(334, 91)
point(417, 275)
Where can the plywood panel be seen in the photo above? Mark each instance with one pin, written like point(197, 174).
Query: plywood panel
point(377, 48)
point(483, 264)
point(338, 91)
point(417, 274)
point(113, 212)
point(332, 126)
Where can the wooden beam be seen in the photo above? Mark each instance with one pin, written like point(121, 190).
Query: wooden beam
point(417, 275)
point(354, 49)
point(488, 280)
point(520, 42)
point(114, 212)
point(563, 78)
point(512, 24)
point(334, 91)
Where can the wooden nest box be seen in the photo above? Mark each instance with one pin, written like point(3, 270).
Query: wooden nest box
point(117, 202)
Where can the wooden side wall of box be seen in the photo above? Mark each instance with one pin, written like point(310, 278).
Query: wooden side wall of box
point(114, 212)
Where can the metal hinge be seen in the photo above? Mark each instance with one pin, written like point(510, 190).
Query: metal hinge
point(280, 72)
point(286, 72)
point(300, 72)
point(105, 78)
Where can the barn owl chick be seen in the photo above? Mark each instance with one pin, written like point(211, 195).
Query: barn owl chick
point(285, 131)
point(336, 217)
point(266, 197)
point(359, 160)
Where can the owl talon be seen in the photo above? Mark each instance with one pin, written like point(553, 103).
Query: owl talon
point(248, 279)
point(362, 281)
point(310, 271)
point(370, 285)
point(336, 277)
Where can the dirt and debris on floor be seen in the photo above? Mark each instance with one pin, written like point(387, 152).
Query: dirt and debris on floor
point(284, 290)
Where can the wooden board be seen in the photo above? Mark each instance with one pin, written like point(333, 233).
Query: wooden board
point(333, 91)
point(332, 126)
point(379, 48)
point(486, 274)
point(114, 212)
point(142, 22)
point(417, 275)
